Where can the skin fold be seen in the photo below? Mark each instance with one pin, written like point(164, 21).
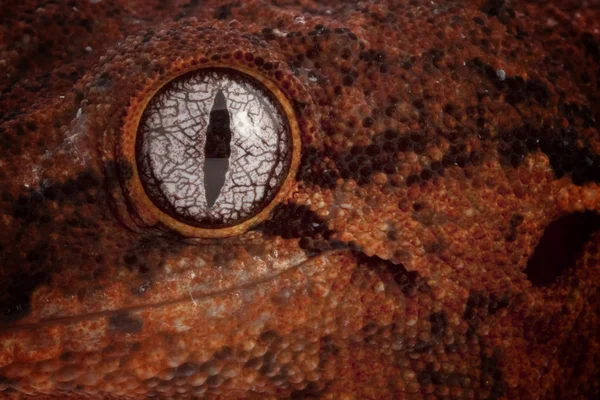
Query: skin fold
point(438, 239)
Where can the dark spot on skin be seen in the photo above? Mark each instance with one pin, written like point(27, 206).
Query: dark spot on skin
point(392, 235)
point(319, 30)
point(516, 220)
point(87, 24)
point(224, 353)
point(568, 152)
point(297, 221)
point(479, 305)
point(429, 376)
point(7, 144)
point(125, 169)
point(520, 34)
point(470, 314)
point(125, 323)
point(104, 80)
point(30, 261)
point(224, 259)
point(478, 21)
point(299, 107)
point(148, 36)
point(511, 236)
point(439, 322)
point(559, 246)
point(519, 90)
point(269, 366)
point(187, 369)
point(457, 156)
point(361, 162)
point(421, 347)
point(373, 56)
point(8, 384)
point(490, 371)
point(215, 380)
point(30, 207)
point(498, 302)
point(311, 391)
point(413, 179)
point(434, 56)
point(327, 349)
point(493, 7)
point(147, 255)
point(578, 114)
point(187, 9)
point(15, 300)
point(112, 171)
point(130, 259)
point(516, 90)
point(418, 206)
point(312, 169)
point(498, 9)
point(410, 283)
point(592, 48)
point(268, 34)
point(254, 363)
point(268, 337)
point(67, 356)
point(433, 247)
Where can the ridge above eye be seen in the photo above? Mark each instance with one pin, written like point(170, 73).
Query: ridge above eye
point(213, 147)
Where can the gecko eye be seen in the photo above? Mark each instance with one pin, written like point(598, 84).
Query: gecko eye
point(213, 148)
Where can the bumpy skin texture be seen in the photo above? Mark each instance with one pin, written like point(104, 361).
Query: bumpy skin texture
point(445, 137)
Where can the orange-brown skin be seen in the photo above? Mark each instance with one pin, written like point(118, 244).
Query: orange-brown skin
point(396, 265)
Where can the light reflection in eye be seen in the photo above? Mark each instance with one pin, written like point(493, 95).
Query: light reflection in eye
point(213, 148)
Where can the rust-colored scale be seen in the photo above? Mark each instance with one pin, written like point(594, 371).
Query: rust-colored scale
point(433, 145)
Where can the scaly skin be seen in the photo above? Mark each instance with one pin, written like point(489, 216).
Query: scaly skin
point(439, 140)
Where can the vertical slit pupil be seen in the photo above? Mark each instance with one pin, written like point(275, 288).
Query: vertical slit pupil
point(217, 149)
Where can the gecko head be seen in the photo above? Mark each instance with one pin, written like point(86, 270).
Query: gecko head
point(282, 201)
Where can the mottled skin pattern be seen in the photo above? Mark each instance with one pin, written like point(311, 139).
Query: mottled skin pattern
point(439, 140)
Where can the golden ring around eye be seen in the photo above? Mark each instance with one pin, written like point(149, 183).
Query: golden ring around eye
point(213, 150)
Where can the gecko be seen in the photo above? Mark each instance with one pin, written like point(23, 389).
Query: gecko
point(435, 236)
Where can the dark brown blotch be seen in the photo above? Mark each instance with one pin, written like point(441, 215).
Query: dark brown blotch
point(15, 300)
point(560, 245)
point(187, 369)
point(439, 322)
point(297, 221)
point(410, 283)
point(515, 89)
point(569, 153)
point(125, 322)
